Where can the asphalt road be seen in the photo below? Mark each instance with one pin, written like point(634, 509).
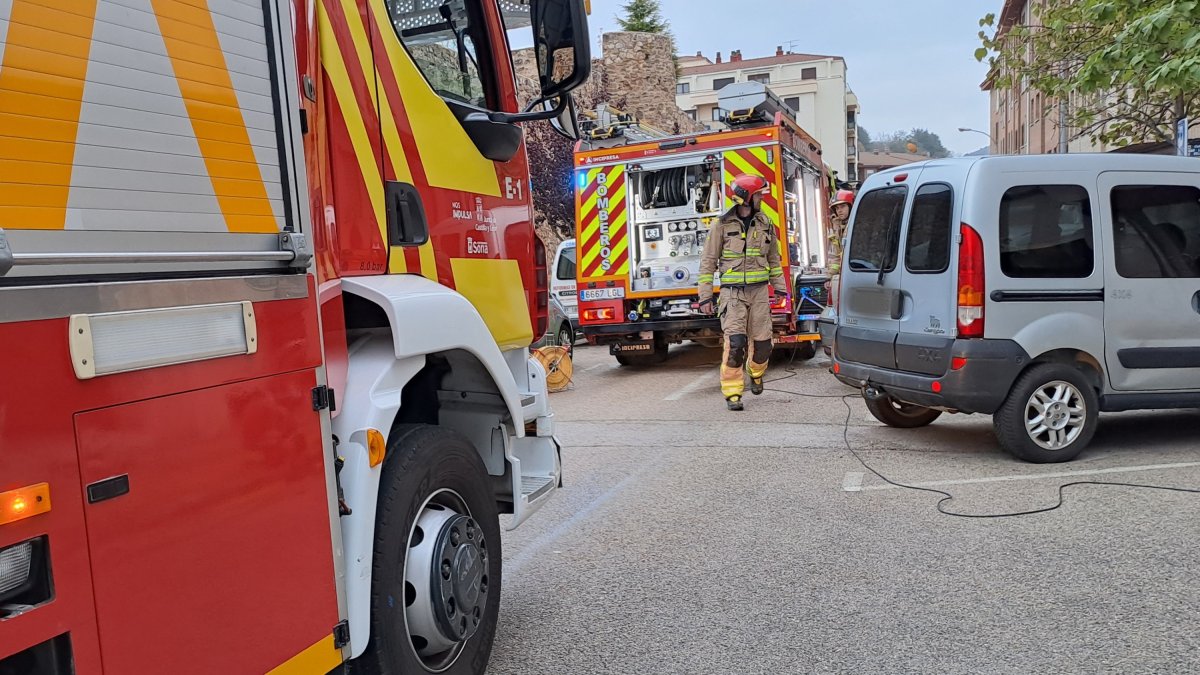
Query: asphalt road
point(690, 539)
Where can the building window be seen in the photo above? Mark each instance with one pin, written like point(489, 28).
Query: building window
point(683, 88)
point(764, 78)
point(851, 149)
point(716, 114)
point(850, 120)
point(808, 74)
point(793, 103)
point(722, 82)
point(691, 113)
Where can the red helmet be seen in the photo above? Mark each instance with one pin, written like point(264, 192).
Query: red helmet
point(842, 197)
point(746, 184)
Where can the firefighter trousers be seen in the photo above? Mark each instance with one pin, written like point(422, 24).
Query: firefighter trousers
point(745, 313)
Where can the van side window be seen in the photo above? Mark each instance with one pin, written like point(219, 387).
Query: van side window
point(929, 228)
point(875, 233)
point(1156, 231)
point(566, 265)
point(1046, 232)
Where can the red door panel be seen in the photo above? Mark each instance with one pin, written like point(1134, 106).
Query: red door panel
point(219, 558)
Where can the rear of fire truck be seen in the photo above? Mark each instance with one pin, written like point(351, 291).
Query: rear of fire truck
point(267, 284)
point(645, 209)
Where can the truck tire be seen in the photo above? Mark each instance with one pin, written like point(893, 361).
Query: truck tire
point(435, 582)
point(805, 351)
point(1050, 414)
point(901, 415)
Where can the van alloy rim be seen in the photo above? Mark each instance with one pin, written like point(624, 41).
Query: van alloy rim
point(1055, 415)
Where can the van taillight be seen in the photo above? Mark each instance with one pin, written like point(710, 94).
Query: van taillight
point(971, 286)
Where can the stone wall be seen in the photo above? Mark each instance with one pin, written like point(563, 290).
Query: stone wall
point(640, 67)
point(636, 74)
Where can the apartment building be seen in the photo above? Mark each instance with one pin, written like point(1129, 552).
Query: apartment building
point(812, 85)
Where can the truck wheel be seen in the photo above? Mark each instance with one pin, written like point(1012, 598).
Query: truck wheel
point(435, 584)
point(1050, 415)
point(901, 415)
point(806, 350)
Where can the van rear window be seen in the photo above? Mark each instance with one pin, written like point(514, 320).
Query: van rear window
point(875, 233)
point(929, 229)
point(1046, 232)
point(566, 265)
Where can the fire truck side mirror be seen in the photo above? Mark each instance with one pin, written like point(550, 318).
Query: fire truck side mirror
point(566, 123)
point(562, 45)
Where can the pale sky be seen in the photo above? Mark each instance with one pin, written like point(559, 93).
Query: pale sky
point(911, 63)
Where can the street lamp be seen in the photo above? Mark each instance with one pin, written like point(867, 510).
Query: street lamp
point(989, 136)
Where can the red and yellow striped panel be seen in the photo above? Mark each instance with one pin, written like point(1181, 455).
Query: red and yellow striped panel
point(759, 161)
point(603, 223)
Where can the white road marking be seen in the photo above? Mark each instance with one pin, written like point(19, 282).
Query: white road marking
point(853, 481)
point(695, 384)
point(591, 368)
point(1039, 476)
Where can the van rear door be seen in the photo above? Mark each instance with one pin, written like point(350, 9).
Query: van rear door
point(871, 300)
point(928, 298)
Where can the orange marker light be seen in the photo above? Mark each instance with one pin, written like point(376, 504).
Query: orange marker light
point(24, 503)
point(376, 447)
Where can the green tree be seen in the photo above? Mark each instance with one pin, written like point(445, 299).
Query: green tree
point(928, 142)
point(1126, 69)
point(864, 137)
point(643, 16)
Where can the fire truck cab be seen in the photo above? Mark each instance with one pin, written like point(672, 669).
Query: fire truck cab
point(268, 279)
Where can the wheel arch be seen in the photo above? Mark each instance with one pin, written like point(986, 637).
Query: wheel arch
point(445, 369)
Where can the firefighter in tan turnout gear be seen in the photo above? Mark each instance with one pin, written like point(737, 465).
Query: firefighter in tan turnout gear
point(743, 254)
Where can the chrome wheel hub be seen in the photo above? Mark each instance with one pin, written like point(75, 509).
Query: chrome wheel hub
point(446, 580)
point(1055, 415)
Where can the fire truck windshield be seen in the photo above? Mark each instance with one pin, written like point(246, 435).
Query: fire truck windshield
point(446, 41)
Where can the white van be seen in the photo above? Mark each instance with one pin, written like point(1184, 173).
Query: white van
point(562, 282)
point(1041, 290)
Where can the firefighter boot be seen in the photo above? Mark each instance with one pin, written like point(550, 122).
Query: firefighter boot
point(734, 403)
point(758, 365)
point(733, 365)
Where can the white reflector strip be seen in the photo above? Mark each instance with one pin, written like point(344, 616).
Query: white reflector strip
point(103, 344)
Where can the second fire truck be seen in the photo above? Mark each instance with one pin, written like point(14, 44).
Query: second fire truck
point(644, 208)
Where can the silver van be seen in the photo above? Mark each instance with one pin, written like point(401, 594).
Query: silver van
point(1041, 290)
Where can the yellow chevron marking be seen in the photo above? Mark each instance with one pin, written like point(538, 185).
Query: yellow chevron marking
point(29, 78)
point(215, 113)
point(339, 77)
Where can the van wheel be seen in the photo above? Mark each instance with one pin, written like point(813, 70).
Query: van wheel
point(435, 582)
point(901, 415)
point(1049, 416)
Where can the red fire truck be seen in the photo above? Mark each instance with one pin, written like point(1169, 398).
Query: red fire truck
point(267, 285)
point(645, 205)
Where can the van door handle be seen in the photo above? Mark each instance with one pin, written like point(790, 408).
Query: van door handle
point(1196, 302)
point(897, 303)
